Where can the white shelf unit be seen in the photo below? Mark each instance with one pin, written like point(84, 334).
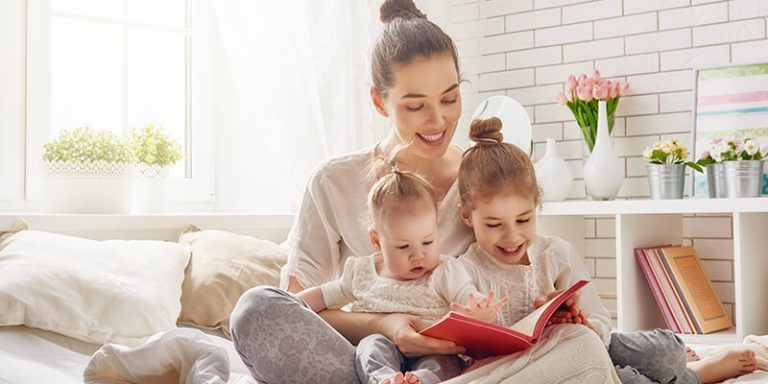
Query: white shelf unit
point(653, 222)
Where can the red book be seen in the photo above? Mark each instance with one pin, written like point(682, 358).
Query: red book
point(483, 339)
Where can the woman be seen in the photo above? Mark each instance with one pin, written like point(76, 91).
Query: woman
point(416, 87)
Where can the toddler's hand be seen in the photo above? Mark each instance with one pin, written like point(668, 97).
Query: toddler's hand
point(481, 309)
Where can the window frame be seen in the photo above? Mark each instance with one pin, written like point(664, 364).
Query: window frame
point(197, 186)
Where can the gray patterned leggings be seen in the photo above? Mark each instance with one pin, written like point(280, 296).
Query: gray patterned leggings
point(645, 357)
point(281, 340)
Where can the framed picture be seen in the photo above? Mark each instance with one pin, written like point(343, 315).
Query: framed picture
point(729, 101)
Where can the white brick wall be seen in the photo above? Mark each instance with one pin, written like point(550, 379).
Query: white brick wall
point(527, 48)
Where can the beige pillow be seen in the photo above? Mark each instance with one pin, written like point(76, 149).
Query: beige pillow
point(222, 267)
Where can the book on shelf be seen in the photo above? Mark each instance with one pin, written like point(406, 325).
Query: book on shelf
point(481, 339)
point(682, 290)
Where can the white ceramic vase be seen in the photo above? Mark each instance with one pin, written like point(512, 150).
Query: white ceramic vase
point(553, 174)
point(603, 172)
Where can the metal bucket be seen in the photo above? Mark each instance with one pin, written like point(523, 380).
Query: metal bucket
point(666, 181)
point(716, 180)
point(743, 178)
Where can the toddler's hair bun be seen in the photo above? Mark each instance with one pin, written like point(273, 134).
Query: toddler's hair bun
point(399, 9)
point(486, 130)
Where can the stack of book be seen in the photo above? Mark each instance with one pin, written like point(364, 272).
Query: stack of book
point(682, 289)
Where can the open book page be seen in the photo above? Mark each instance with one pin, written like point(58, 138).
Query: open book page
point(534, 323)
point(527, 325)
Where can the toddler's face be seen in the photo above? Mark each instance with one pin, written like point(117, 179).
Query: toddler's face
point(408, 243)
point(504, 226)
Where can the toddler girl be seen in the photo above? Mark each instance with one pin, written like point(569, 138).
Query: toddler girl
point(499, 197)
point(406, 275)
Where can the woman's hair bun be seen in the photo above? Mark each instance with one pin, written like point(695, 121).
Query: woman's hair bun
point(399, 9)
point(486, 130)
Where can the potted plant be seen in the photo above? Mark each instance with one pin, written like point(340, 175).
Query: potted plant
point(742, 160)
point(155, 153)
point(593, 101)
point(84, 171)
point(666, 169)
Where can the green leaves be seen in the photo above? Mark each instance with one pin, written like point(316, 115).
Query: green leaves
point(152, 146)
point(149, 145)
point(83, 145)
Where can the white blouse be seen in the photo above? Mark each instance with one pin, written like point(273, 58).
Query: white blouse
point(554, 265)
point(428, 297)
point(330, 225)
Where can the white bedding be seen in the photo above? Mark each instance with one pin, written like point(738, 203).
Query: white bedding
point(32, 356)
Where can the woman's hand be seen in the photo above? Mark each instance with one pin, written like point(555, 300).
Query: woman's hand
point(483, 309)
point(403, 331)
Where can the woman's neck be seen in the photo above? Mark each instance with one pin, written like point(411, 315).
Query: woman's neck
point(446, 166)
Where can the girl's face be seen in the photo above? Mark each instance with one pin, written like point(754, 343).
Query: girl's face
point(408, 244)
point(504, 226)
point(424, 104)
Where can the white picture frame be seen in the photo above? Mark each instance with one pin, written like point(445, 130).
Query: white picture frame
point(728, 101)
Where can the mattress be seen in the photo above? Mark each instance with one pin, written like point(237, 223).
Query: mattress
point(33, 356)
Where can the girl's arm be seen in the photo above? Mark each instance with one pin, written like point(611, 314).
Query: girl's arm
point(400, 328)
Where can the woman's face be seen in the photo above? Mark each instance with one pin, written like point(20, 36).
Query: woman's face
point(424, 105)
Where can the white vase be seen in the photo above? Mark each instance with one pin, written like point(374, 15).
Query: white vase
point(603, 172)
point(149, 188)
point(553, 174)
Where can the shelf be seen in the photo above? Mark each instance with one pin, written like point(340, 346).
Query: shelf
point(727, 336)
point(597, 208)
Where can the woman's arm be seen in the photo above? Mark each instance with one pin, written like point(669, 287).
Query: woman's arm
point(399, 328)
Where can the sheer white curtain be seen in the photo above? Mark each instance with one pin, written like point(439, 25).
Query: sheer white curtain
point(292, 80)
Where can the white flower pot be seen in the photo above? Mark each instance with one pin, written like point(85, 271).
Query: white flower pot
point(86, 187)
point(149, 188)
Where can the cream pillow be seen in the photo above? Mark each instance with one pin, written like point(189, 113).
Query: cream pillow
point(96, 291)
point(222, 267)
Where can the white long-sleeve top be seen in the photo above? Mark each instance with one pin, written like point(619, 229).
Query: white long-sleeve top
point(554, 265)
point(330, 225)
point(428, 297)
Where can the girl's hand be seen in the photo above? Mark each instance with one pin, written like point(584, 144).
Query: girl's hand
point(403, 329)
point(483, 309)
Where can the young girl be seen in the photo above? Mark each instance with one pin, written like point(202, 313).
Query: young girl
point(407, 274)
point(499, 197)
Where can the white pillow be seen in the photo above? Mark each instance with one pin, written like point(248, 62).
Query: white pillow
point(97, 291)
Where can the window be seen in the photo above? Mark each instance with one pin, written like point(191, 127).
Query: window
point(118, 64)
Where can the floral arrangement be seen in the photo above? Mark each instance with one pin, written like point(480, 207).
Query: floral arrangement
point(84, 145)
point(581, 97)
point(670, 151)
point(151, 146)
point(733, 149)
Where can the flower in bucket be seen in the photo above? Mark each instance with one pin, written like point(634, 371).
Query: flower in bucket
point(581, 97)
point(734, 149)
point(670, 151)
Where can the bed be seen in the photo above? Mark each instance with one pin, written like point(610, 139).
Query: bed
point(32, 355)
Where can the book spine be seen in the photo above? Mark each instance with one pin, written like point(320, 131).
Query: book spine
point(653, 284)
point(679, 292)
point(675, 304)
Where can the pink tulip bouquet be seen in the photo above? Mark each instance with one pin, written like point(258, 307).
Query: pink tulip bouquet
point(581, 97)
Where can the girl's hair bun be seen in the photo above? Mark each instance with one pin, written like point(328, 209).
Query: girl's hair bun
point(399, 9)
point(486, 131)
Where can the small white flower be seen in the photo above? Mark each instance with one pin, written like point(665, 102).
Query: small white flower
point(764, 150)
point(751, 148)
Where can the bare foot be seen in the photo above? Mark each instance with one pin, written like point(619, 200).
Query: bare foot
point(729, 362)
point(691, 354)
point(400, 378)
